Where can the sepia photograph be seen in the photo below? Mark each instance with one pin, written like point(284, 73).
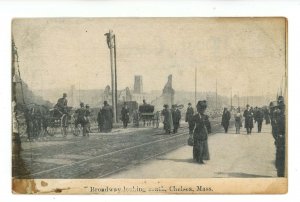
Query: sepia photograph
point(177, 105)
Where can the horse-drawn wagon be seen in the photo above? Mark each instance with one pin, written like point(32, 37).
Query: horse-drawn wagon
point(148, 116)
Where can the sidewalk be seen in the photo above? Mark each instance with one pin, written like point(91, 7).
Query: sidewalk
point(231, 155)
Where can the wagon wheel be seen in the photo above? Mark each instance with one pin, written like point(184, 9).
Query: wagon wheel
point(50, 130)
point(64, 125)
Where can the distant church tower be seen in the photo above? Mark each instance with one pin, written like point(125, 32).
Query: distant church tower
point(138, 84)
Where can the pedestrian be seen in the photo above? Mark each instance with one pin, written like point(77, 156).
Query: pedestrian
point(176, 115)
point(259, 117)
point(87, 115)
point(267, 115)
point(200, 135)
point(238, 121)
point(125, 115)
point(278, 130)
point(189, 117)
point(81, 118)
point(157, 119)
point(108, 117)
point(100, 120)
point(248, 114)
point(168, 121)
point(135, 118)
point(225, 119)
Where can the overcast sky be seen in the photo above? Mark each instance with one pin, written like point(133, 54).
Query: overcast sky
point(245, 54)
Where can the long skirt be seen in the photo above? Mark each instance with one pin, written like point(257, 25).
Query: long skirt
point(200, 150)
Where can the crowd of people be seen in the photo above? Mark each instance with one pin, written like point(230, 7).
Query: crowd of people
point(251, 115)
point(199, 128)
point(198, 123)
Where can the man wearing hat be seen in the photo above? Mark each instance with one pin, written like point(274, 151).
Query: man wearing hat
point(125, 115)
point(168, 120)
point(248, 114)
point(201, 131)
point(81, 118)
point(225, 119)
point(259, 117)
point(278, 131)
point(176, 115)
point(62, 104)
point(189, 117)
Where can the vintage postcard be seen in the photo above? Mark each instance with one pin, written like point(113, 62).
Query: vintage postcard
point(149, 105)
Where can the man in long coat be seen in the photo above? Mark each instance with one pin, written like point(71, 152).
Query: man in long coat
point(168, 120)
point(108, 117)
point(259, 118)
point(278, 130)
point(267, 115)
point(189, 117)
point(201, 131)
point(125, 115)
point(176, 115)
point(100, 120)
point(225, 119)
point(248, 114)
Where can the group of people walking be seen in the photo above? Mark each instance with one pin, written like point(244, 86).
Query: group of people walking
point(256, 115)
point(199, 128)
point(172, 118)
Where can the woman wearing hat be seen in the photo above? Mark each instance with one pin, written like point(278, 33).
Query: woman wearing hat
point(200, 135)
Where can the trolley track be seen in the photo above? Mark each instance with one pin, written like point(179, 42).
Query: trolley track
point(106, 162)
point(102, 161)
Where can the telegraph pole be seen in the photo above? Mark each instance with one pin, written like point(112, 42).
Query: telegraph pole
point(110, 39)
point(216, 94)
point(195, 86)
point(238, 99)
point(231, 99)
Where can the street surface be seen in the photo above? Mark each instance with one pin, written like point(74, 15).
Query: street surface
point(231, 155)
point(148, 153)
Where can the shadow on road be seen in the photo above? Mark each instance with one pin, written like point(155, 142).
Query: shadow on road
point(178, 160)
point(239, 174)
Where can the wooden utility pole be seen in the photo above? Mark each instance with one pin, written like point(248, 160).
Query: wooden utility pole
point(238, 99)
point(195, 86)
point(216, 94)
point(231, 99)
point(110, 39)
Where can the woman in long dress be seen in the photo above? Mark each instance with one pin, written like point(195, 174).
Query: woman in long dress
point(200, 135)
